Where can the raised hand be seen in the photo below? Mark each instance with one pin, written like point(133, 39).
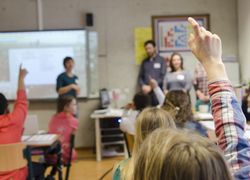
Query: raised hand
point(152, 82)
point(207, 48)
point(22, 72)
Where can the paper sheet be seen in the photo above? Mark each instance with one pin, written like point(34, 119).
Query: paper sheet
point(25, 137)
point(208, 124)
point(141, 36)
point(42, 137)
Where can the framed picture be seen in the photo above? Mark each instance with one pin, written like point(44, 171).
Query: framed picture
point(171, 33)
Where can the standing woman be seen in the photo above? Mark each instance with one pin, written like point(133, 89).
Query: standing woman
point(67, 82)
point(179, 78)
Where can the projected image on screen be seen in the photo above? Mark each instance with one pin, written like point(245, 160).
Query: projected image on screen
point(42, 54)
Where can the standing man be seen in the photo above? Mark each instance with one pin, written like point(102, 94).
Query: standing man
point(154, 66)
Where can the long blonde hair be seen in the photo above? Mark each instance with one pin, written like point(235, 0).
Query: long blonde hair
point(146, 122)
point(179, 155)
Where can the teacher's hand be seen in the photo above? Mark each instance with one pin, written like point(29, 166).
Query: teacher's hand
point(146, 88)
point(75, 87)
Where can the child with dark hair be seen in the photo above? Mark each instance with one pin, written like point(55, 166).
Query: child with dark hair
point(140, 101)
point(11, 129)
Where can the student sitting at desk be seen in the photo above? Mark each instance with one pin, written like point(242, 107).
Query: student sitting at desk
point(147, 121)
point(11, 129)
point(177, 104)
point(140, 101)
point(64, 123)
point(188, 157)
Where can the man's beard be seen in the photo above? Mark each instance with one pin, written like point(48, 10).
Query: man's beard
point(152, 55)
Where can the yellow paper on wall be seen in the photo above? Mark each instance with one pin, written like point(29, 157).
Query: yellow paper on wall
point(141, 36)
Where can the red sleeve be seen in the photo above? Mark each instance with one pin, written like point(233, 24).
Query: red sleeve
point(74, 123)
point(20, 107)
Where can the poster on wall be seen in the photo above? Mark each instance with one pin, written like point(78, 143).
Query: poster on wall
point(171, 33)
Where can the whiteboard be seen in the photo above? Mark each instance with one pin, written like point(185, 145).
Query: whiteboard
point(42, 54)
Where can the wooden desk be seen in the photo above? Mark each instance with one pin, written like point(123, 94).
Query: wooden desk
point(114, 113)
point(45, 146)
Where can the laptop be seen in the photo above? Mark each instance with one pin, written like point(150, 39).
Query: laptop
point(31, 125)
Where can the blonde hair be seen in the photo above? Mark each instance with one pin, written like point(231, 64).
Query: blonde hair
point(179, 155)
point(146, 122)
point(177, 104)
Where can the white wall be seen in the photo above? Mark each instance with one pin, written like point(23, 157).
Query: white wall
point(244, 37)
point(114, 20)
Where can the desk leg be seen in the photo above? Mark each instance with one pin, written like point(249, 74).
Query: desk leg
point(98, 140)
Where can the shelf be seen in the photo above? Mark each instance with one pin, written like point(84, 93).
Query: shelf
point(110, 143)
point(113, 135)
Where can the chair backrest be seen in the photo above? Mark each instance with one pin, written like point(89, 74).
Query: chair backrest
point(12, 157)
point(72, 144)
point(31, 125)
point(129, 142)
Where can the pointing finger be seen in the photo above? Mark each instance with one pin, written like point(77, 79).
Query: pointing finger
point(195, 26)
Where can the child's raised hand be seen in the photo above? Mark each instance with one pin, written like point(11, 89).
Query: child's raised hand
point(203, 44)
point(22, 72)
point(152, 82)
point(207, 48)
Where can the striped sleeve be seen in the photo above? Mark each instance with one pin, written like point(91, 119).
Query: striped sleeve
point(230, 124)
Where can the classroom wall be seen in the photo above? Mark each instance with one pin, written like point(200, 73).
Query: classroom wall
point(114, 20)
point(244, 37)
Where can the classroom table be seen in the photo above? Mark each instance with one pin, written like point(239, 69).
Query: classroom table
point(203, 116)
point(43, 144)
point(113, 113)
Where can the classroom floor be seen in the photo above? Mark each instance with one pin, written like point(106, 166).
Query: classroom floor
point(86, 166)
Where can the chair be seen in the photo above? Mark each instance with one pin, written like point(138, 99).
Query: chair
point(129, 140)
point(57, 166)
point(15, 156)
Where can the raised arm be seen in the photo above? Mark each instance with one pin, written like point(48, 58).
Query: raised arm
point(227, 114)
point(21, 103)
point(157, 90)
